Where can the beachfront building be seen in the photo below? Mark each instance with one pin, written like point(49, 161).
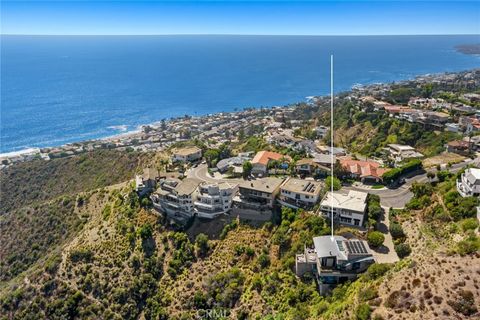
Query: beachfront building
point(400, 153)
point(214, 199)
point(469, 183)
point(187, 154)
point(334, 260)
point(299, 193)
point(176, 197)
point(146, 181)
point(262, 159)
point(348, 207)
point(365, 171)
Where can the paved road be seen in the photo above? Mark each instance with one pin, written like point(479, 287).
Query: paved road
point(397, 198)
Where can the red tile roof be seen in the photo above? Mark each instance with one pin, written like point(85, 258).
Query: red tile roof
point(363, 168)
point(263, 157)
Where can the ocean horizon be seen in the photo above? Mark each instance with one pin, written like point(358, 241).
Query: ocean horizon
point(63, 89)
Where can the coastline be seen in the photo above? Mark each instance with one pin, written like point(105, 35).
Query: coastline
point(139, 131)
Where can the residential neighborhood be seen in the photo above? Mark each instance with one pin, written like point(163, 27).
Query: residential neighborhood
point(257, 165)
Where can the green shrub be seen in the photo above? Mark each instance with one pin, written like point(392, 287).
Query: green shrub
point(368, 294)
point(146, 231)
point(377, 270)
point(82, 254)
point(469, 224)
point(263, 261)
point(363, 312)
point(403, 250)
point(375, 238)
point(225, 288)
point(336, 183)
point(468, 246)
point(202, 245)
point(396, 230)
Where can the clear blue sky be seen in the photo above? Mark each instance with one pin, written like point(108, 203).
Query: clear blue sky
point(247, 17)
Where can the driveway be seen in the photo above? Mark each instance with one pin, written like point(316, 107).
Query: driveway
point(386, 253)
point(201, 173)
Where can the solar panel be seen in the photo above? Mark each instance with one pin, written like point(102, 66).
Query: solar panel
point(356, 247)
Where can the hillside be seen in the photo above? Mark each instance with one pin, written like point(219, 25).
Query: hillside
point(125, 264)
point(367, 131)
point(38, 181)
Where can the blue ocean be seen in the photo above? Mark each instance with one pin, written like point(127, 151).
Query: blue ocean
point(59, 89)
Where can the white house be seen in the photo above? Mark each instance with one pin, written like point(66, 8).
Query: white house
point(299, 193)
point(401, 152)
point(214, 199)
point(176, 197)
point(188, 154)
point(469, 183)
point(348, 208)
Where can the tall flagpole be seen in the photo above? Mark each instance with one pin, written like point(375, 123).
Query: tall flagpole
point(331, 141)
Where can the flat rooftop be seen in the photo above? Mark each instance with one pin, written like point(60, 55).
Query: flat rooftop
point(302, 186)
point(401, 147)
point(267, 185)
point(186, 151)
point(353, 200)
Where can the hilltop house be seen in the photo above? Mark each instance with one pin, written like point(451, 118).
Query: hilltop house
point(175, 197)
point(187, 154)
point(262, 159)
point(147, 181)
point(348, 208)
point(299, 193)
point(469, 183)
point(400, 153)
point(363, 170)
point(214, 199)
point(334, 260)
